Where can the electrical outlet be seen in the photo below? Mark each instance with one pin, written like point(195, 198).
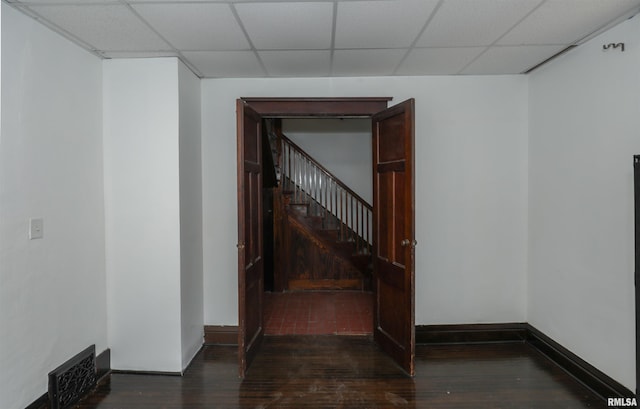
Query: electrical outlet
point(36, 228)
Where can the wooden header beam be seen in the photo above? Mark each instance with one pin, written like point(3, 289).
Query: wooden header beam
point(318, 107)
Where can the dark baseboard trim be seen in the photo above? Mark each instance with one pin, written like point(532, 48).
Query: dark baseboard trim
point(154, 373)
point(41, 403)
point(471, 333)
point(584, 372)
point(587, 374)
point(221, 335)
point(103, 364)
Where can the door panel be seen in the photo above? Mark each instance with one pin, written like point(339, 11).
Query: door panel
point(636, 172)
point(250, 247)
point(394, 232)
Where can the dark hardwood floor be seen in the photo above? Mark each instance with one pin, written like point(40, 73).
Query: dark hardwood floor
point(327, 371)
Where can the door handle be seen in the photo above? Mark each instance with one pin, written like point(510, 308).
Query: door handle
point(407, 242)
point(240, 246)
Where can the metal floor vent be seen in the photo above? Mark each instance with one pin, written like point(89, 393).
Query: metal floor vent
point(72, 380)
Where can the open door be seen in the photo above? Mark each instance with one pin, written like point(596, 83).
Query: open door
point(636, 178)
point(250, 246)
point(394, 233)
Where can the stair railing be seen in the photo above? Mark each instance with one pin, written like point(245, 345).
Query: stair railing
point(310, 182)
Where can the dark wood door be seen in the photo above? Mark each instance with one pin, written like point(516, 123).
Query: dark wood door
point(394, 232)
point(250, 245)
point(636, 171)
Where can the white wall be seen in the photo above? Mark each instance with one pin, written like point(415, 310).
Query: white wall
point(584, 130)
point(142, 200)
point(343, 146)
point(191, 294)
point(52, 290)
point(471, 190)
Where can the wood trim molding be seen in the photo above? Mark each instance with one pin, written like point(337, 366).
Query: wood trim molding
point(587, 374)
point(103, 364)
point(318, 107)
point(221, 335)
point(471, 333)
point(41, 403)
point(135, 372)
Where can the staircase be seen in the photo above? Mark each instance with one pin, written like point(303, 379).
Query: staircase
point(324, 226)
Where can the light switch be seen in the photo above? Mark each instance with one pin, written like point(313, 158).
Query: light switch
point(36, 227)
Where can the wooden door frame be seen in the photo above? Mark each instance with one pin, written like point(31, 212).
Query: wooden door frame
point(636, 193)
point(362, 107)
point(318, 107)
point(312, 107)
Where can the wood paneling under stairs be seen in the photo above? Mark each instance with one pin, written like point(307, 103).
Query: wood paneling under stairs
point(351, 372)
point(316, 263)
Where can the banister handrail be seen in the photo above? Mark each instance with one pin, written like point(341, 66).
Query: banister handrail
point(325, 170)
point(327, 196)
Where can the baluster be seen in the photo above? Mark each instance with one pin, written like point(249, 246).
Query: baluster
point(321, 189)
point(360, 226)
point(288, 167)
point(300, 163)
point(334, 191)
point(341, 217)
point(369, 232)
point(351, 226)
point(316, 186)
point(298, 177)
point(294, 176)
point(290, 159)
point(284, 164)
point(349, 215)
point(309, 181)
point(313, 183)
point(357, 235)
point(303, 179)
point(326, 195)
point(306, 180)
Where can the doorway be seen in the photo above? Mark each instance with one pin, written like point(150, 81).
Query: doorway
point(321, 285)
point(393, 217)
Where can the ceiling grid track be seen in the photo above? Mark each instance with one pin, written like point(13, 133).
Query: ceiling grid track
point(332, 38)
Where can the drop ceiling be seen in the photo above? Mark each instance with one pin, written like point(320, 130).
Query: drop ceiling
point(321, 38)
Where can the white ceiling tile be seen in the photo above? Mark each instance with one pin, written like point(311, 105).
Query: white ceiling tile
point(511, 60)
point(360, 37)
point(463, 23)
point(566, 21)
point(278, 26)
point(195, 26)
point(366, 62)
point(311, 63)
point(175, 1)
point(381, 24)
point(230, 64)
point(106, 27)
point(438, 61)
point(78, 2)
